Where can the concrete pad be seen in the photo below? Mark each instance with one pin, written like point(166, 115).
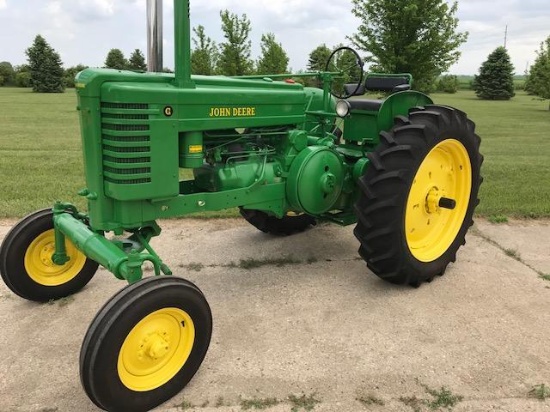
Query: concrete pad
point(529, 238)
point(329, 328)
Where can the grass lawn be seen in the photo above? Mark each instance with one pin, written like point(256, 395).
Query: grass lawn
point(41, 159)
point(516, 144)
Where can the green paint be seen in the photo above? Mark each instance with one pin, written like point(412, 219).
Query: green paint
point(255, 142)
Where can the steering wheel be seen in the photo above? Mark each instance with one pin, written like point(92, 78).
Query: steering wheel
point(347, 61)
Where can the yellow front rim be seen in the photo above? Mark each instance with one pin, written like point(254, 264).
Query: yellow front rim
point(40, 267)
point(445, 172)
point(156, 349)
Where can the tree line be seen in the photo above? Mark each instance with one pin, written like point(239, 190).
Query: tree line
point(396, 36)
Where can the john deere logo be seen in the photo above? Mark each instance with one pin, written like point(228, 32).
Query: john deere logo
point(232, 111)
point(168, 111)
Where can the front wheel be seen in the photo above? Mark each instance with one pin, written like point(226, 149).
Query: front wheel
point(26, 262)
point(418, 195)
point(145, 344)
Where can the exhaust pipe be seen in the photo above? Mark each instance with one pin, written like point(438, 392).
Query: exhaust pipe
point(154, 35)
point(182, 40)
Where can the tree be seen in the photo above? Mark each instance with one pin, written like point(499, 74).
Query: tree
point(538, 81)
point(23, 75)
point(205, 55)
point(7, 74)
point(235, 51)
point(448, 84)
point(317, 62)
point(137, 61)
point(496, 77)
point(318, 58)
point(409, 36)
point(70, 74)
point(45, 67)
point(273, 59)
point(116, 60)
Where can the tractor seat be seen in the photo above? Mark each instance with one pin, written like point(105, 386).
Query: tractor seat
point(378, 83)
point(365, 104)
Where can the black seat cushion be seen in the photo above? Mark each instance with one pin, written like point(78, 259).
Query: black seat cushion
point(384, 84)
point(365, 104)
point(350, 88)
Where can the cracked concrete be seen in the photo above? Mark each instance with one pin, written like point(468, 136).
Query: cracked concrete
point(326, 326)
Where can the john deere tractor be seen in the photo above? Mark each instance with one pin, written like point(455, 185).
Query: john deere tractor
point(406, 172)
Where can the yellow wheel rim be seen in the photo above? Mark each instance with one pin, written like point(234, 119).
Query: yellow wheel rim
point(156, 349)
point(445, 172)
point(40, 267)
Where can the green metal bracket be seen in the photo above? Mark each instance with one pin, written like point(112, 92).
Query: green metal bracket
point(69, 223)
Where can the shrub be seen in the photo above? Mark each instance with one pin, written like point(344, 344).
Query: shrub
point(448, 84)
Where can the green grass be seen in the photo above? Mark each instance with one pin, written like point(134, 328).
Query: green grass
point(540, 392)
point(256, 403)
point(369, 400)
point(303, 402)
point(42, 161)
point(40, 150)
point(498, 219)
point(516, 145)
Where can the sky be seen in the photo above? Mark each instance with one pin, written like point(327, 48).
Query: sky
point(83, 31)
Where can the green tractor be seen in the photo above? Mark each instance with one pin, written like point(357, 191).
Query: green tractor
point(405, 171)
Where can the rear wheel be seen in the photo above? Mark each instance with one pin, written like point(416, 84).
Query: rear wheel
point(26, 261)
point(145, 344)
point(418, 195)
point(287, 225)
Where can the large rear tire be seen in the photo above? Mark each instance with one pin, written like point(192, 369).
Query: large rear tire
point(26, 262)
point(145, 344)
point(418, 195)
point(287, 225)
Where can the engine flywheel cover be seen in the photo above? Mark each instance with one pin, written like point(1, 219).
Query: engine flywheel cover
point(315, 180)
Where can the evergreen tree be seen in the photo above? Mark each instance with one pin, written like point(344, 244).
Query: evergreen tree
point(496, 77)
point(274, 59)
point(235, 51)
point(7, 74)
point(409, 36)
point(318, 58)
point(317, 62)
point(116, 60)
point(137, 61)
point(204, 57)
point(45, 67)
point(538, 81)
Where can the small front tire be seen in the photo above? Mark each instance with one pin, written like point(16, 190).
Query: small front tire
point(145, 344)
point(26, 262)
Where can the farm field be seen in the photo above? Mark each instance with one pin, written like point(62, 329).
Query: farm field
point(41, 158)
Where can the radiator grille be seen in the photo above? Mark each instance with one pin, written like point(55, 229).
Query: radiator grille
point(126, 143)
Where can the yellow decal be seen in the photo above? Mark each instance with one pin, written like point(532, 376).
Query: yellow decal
point(195, 148)
point(80, 85)
point(232, 111)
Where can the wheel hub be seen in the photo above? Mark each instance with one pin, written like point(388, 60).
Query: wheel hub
point(154, 346)
point(438, 200)
point(432, 200)
point(41, 267)
point(156, 349)
point(46, 254)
